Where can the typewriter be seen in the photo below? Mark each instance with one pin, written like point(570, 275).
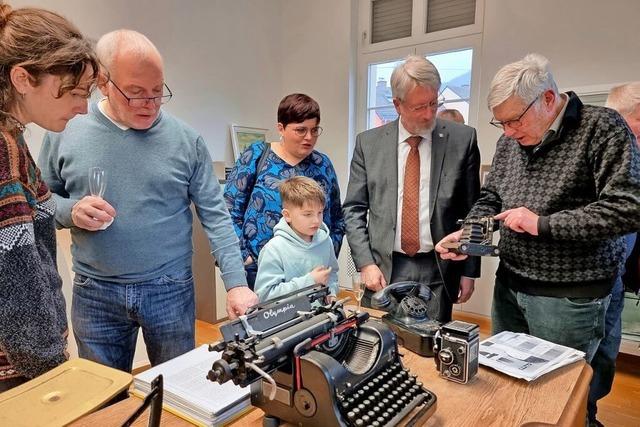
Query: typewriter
point(318, 365)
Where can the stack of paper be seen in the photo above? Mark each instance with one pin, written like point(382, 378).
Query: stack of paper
point(523, 356)
point(189, 394)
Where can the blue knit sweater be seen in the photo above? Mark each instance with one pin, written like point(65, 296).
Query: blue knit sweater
point(152, 177)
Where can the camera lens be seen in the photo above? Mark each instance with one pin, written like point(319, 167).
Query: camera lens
point(445, 356)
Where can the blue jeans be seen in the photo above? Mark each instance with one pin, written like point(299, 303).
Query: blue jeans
point(604, 361)
point(106, 317)
point(572, 322)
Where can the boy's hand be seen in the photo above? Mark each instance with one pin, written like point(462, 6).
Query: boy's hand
point(329, 299)
point(321, 274)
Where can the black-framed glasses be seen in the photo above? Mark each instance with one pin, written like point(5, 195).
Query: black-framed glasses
point(514, 123)
point(142, 101)
point(302, 131)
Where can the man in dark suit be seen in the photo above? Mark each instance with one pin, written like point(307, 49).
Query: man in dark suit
point(410, 181)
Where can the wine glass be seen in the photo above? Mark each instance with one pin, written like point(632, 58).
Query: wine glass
point(97, 181)
point(97, 186)
point(357, 287)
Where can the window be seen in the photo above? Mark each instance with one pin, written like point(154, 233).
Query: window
point(455, 72)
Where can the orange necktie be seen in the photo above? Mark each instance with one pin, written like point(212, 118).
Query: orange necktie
point(410, 237)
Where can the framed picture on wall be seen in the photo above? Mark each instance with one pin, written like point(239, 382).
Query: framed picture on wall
point(243, 136)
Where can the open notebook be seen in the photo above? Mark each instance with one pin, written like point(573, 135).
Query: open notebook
point(189, 394)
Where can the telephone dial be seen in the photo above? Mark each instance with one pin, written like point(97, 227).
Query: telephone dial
point(408, 305)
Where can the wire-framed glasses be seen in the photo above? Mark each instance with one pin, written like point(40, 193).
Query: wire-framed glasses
point(514, 123)
point(302, 131)
point(142, 101)
point(433, 105)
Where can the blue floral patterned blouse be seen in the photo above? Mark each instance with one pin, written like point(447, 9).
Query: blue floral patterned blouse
point(255, 204)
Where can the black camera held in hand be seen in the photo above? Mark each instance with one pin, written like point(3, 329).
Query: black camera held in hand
point(476, 239)
point(456, 350)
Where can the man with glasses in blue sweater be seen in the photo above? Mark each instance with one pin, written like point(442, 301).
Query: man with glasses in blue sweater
point(132, 248)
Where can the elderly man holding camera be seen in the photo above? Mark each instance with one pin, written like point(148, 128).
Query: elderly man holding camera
point(565, 184)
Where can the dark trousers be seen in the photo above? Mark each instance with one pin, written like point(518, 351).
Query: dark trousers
point(252, 271)
point(421, 268)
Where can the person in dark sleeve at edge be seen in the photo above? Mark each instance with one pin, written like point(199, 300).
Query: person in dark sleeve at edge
point(565, 186)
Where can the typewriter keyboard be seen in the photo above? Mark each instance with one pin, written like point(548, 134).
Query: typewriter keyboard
point(383, 400)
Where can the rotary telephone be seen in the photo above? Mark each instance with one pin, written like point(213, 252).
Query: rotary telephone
point(408, 305)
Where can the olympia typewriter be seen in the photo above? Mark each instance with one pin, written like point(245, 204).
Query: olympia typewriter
point(320, 365)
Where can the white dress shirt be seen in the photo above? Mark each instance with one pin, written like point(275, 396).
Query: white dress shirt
point(424, 148)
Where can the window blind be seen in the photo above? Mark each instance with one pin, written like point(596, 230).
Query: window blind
point(446, 14)
point(390, 19)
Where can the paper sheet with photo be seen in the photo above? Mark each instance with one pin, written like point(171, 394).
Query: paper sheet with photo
point(524, 356)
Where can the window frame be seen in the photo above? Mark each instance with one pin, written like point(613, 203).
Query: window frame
point(442, 46)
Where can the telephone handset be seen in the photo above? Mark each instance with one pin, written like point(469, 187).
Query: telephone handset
point(408, 306)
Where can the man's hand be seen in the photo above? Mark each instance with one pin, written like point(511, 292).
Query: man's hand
point(467, 287)
point(91, 212)
point(239, 299)
point(520, 220)
point(248, 261)
point(320, 274)
point(449, 254)
point(372, 277)
point(329, 299)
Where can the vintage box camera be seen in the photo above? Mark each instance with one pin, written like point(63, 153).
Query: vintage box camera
point(456, 348)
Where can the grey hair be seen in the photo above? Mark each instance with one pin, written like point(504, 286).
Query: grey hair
point(527, 79)
point(624, 98)
point(414, 71)
point(122, 40)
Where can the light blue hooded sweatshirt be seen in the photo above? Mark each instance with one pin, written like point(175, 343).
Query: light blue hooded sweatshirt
point(285, 262)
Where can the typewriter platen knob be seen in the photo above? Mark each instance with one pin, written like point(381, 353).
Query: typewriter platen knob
point(305, 403)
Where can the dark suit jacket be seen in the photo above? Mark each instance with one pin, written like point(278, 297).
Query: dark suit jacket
point(370, 207)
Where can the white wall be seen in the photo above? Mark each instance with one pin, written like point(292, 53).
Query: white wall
point(222, 58)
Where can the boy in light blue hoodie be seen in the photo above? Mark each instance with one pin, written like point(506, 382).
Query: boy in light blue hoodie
point(301, 253)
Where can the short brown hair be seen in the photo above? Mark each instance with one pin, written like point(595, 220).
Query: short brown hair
point(42, 42)
point(296, 108)
point(295, 191)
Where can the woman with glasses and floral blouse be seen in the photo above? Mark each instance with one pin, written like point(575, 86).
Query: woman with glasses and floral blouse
point(252, 193)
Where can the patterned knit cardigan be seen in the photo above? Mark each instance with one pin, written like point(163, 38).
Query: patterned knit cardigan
point(33, 322)
point(585, 184)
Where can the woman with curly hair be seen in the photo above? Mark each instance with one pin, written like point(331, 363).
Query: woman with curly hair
point(47, 71)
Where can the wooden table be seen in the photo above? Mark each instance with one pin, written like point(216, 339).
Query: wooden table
point(491, 399)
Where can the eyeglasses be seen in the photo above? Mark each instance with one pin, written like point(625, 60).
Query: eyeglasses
point(515, 123)
point(433, 105)
point(302, 131)
point(142, 101)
